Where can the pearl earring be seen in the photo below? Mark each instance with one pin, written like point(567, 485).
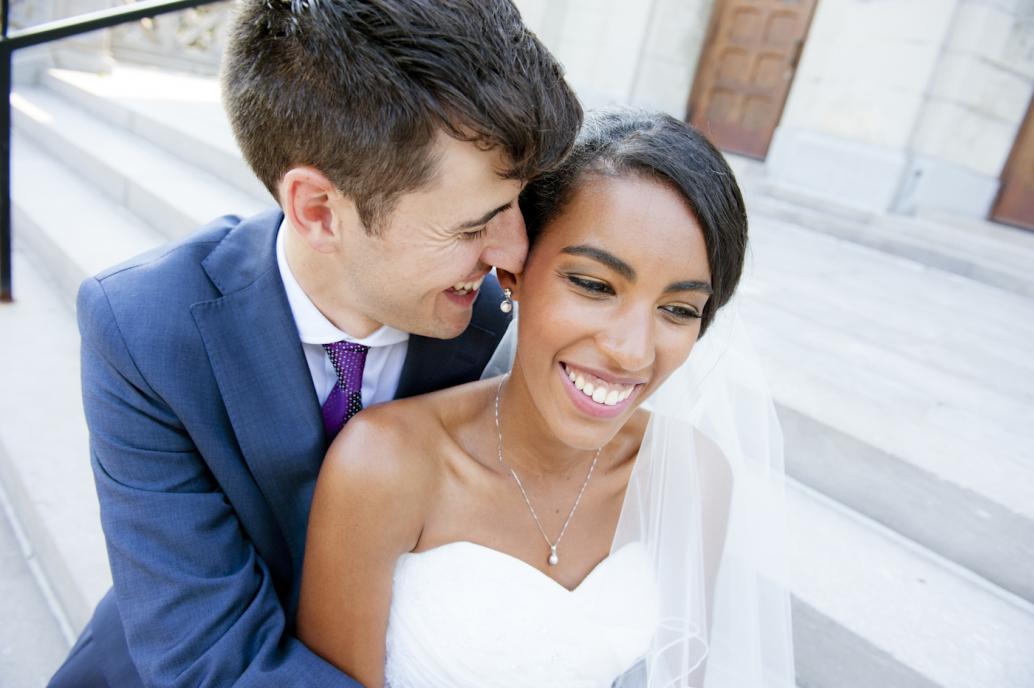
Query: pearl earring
point(507, 305)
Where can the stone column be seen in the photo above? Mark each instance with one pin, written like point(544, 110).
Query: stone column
point(973, 110)
point(907, 106)
point(599, 43)
point(669, 56)
point(856, 99)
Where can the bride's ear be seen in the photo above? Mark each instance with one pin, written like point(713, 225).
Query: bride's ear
point(509, 280)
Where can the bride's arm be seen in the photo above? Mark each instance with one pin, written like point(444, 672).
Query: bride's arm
point(367, 510)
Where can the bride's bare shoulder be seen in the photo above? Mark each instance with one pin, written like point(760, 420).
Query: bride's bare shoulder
point(399, 446)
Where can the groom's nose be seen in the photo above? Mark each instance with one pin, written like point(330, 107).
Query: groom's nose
point(506, 245)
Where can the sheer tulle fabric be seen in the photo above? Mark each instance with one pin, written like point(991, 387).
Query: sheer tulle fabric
point(705, 501)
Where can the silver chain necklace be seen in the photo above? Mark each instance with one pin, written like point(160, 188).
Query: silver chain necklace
point(554, 559)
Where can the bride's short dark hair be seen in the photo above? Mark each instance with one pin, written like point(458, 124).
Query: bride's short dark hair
point(620, 142)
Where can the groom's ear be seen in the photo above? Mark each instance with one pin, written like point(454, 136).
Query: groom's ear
point(509, 280)
point(315, 208)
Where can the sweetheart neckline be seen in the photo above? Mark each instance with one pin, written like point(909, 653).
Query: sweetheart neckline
point(524, 564)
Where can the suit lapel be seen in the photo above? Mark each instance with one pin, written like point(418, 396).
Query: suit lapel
point(259, 366)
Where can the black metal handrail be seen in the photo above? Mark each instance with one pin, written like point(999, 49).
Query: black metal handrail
point(36, 35)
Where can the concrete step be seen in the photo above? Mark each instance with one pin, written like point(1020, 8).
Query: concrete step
point(46, 474)
point(993, 254)
point(170, 195)
point(77, 237)
point(26, 659)
point(180, 113)
point(873, 609)
point(44, 459)
point(905, 393)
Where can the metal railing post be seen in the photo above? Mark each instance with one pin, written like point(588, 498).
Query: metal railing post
point(36, 35)
point(6, 293)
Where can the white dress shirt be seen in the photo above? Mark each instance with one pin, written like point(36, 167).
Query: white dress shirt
point(387, 345)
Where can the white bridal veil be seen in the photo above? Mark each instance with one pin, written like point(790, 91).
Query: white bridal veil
point(706, 500)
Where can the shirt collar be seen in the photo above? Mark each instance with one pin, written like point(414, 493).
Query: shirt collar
point(313, 326)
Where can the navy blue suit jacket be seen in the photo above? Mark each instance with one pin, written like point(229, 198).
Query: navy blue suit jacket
point(206, 439)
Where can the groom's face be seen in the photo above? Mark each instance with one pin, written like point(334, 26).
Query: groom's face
point(420, 272)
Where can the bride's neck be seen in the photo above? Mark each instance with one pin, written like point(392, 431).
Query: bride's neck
point(529, 443)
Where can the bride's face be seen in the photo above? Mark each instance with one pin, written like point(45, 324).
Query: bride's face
point(611, 296)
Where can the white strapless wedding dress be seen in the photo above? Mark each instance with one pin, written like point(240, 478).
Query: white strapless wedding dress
point(467, 616)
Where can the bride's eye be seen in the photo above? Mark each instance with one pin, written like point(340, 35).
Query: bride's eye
point(681, 313)
point(594, 287)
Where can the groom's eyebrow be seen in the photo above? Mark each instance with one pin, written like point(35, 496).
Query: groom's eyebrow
point(483, 220)
point(609, 259)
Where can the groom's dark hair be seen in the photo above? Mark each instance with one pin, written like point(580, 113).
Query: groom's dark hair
point(359, 89)
point(619, 142)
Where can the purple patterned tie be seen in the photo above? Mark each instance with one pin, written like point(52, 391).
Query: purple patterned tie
point(346, 398)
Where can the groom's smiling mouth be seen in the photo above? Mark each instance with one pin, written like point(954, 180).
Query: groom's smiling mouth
point(600, 389)
point(463, 293)
point(464, 288)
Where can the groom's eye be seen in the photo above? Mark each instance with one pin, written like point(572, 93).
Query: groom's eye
point(476, 234)
point(595, 287)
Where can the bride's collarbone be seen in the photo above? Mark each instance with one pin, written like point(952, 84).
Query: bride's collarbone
point(477, 501)
point(496, 517)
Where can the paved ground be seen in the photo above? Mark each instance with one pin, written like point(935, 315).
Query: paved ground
point(33, 646)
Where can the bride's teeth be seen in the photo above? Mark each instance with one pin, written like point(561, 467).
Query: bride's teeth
point(601, 392)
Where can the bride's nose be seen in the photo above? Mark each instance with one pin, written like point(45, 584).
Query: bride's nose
point(628, 339)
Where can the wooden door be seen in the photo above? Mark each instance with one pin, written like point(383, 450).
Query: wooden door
point(746, 70)
point(1015, 204)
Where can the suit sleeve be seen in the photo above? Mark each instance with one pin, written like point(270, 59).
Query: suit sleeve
point(196, 600)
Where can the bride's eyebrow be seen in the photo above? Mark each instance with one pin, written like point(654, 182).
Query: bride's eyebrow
point(689, 285)
point(628, 272)
point(609, 259)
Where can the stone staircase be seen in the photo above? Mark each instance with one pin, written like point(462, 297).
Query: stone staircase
point(906, 391)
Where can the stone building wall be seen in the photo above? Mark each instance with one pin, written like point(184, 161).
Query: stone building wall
point(907, 105)
point(897, 105)
point(642, 52)
point(975, 104)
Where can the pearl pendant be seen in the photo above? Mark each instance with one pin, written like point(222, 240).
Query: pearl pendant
point(553, 558)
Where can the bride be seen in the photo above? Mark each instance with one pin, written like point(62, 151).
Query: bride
point(607, 513)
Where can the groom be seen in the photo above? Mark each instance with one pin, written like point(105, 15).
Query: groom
point(395, 136)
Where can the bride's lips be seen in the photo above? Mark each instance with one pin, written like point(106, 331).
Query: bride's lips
point(626, 393)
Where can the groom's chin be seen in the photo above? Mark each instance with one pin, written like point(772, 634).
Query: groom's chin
point(445, 326)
